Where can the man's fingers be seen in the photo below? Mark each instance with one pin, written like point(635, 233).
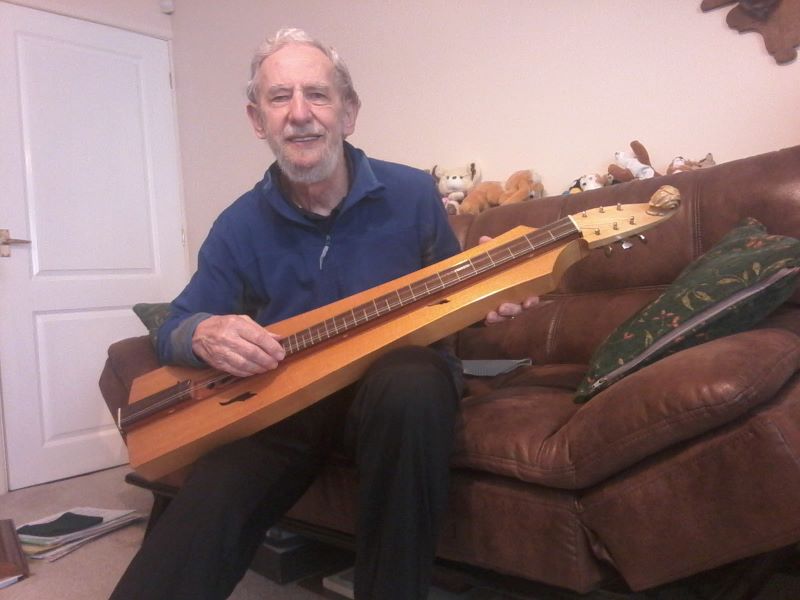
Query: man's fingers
point(264, 340)
point(236, 344)
point(509, 309)
point(530, 301)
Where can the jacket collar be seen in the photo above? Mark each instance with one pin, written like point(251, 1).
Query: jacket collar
point(363, 184)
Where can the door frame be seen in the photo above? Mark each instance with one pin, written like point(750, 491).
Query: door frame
point(3, 462)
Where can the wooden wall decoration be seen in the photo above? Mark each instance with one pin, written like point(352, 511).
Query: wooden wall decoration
point(778, 22)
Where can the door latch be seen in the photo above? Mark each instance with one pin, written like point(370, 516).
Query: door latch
point(6, 241)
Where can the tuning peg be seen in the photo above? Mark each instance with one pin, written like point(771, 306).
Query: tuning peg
point(626, 244)
point(608, 251)
point(642, 238)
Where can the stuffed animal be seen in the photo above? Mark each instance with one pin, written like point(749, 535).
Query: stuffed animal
point(455, 184)
point(680, 164)
point(589, 182)
point(520, 186)
point(484, 195)
point(632, 165)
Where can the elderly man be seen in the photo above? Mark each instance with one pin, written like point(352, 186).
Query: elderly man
point(325, 222)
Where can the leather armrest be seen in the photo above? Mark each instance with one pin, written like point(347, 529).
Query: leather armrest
point(537, 433)
point(678, 398)
point(127, 359)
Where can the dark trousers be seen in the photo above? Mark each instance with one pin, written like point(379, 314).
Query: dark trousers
point(398, 423)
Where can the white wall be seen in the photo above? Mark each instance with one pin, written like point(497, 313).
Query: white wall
point(556, 86)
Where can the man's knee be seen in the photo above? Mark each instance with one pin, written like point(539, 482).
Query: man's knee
point(410, 385)
point(414, 366)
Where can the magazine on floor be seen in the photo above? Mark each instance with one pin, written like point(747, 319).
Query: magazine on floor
point(56, 535)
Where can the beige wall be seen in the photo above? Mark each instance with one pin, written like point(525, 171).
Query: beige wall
point(143, 16)
point(556, 86)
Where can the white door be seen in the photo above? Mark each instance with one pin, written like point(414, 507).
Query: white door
point(88, 174)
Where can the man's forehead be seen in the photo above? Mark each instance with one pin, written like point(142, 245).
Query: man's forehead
point(298, 60)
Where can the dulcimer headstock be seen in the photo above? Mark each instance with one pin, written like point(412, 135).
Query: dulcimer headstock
point(602, 226)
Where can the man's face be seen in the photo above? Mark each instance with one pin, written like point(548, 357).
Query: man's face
point(301, 113)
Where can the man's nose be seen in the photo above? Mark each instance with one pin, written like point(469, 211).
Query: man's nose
point(299, 109)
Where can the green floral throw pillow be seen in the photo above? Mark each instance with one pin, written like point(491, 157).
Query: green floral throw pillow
point(153, 316)
point(730, 288)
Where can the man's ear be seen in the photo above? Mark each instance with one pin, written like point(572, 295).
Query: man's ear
point(349, 118)
point(256, 121)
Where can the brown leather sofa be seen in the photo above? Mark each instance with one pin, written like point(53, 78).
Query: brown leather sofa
point(690, 463)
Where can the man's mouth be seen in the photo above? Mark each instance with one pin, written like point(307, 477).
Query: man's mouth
point(301, 139)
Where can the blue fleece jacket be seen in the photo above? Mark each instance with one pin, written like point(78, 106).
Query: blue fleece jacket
point(265, 258)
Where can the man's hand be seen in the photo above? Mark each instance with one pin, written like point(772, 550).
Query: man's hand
point(237, 345)
point(507, 310)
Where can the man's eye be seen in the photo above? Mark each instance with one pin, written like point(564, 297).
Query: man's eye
point(317, 97)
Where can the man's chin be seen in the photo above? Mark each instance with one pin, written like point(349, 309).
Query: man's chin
point(307, 169)
point(305, 173)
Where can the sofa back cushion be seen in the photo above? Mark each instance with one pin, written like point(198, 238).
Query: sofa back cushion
point(598, 293)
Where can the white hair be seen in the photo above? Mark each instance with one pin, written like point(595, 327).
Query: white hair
point(287, 36)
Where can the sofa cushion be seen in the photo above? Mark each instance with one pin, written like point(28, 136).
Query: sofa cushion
point(536, 433)
point(152, 315)
point(730, 288)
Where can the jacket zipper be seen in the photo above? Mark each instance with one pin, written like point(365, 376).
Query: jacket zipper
point(619, 372)
point(324, 250)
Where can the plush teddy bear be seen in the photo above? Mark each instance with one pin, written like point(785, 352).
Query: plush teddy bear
point(454, 184)
point(589, 182)
point(628, 166)
point(680, 164)
point(520, 186)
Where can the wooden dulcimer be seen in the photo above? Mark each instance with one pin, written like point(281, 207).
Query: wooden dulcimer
point(176, 414)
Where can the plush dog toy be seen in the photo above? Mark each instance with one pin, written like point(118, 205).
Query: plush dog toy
point(520, 186)
point(632, 165)
point(455, 183)
point(589, 182)
point(680, 164)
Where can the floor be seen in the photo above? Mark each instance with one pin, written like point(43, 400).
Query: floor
point(91, 572)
